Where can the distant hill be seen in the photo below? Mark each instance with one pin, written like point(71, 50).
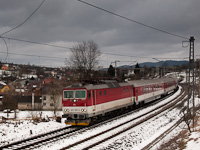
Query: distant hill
point(167, 63)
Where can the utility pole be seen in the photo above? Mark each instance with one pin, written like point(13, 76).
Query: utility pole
point(33, 101)
point(115, 67)
point(161, 74)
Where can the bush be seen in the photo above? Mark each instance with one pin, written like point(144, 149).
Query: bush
point(58, 119)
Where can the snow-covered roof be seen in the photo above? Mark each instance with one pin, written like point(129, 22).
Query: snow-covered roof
point(1, 82)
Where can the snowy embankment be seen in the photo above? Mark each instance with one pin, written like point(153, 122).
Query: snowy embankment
point(23, 127)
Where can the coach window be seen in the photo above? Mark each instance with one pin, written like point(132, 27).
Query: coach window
point(141, 90)
point(124, 90)
point(104, 92)
point(99, 93)
point(127, 89)
point(92, 93)
point(89, 95)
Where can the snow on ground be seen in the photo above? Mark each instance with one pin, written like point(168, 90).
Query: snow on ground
point(23, 127)
point(194, 141)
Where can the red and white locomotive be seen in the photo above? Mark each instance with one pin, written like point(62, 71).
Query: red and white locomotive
point(82, 104)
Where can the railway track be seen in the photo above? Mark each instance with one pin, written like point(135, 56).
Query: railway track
point(164, 134)
point(36, 140)
point(102, 136)
point(43, 139)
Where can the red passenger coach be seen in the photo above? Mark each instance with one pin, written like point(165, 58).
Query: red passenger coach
point(83, 104)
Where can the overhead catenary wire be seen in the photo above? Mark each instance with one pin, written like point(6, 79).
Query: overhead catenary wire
point(140, 23)
point(69, 48)
point(24, 20)
point(35, 42)
point(31, 55)
point(6, 49)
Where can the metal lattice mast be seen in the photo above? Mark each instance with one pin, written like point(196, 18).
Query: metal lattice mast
point(191, 89)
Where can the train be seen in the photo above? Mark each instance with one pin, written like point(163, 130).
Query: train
point(83, 104)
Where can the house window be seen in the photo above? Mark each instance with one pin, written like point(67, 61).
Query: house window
point(51, 104)
point(44, 97)
point(44, 104)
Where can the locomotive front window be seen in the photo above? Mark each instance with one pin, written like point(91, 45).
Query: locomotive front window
point(68, 94)
point(80, 94)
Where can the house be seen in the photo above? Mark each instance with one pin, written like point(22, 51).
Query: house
point(29, 102)
point(5, 67)
point(48, 102)
point(5, 89)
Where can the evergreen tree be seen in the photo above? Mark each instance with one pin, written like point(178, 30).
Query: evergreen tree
point(111, 71)
point(137, 69)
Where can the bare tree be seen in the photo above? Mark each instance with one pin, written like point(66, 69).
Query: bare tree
point(84, 58)
point(187, 117)
point(55, 91)
point(9, 101)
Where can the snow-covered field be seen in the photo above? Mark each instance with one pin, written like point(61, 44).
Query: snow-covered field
point(23, 127)
point(135, 139)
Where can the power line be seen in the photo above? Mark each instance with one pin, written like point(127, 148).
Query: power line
point(125, 55)
point(25, 19)
point(34, 42)
point(140, 56)
point(58, 46)
point(140, 23)
point(30, 55)
point(6, 48)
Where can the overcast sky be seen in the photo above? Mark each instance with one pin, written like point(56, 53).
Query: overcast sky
point(68, 22)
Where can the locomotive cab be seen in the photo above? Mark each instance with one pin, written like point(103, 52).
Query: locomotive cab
point(75, 106)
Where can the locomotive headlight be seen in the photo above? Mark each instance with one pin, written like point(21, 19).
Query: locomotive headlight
point(66, 110)
point(83, 110)
point(75, 100)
